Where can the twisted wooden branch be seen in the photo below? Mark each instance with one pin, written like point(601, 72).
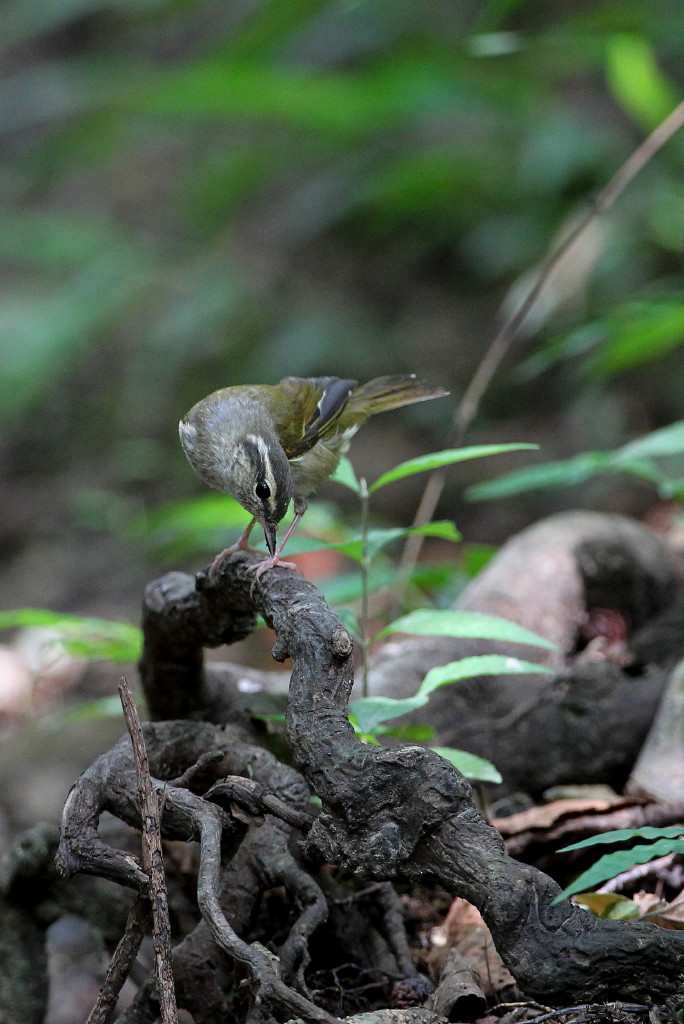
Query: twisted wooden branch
point(404, 812)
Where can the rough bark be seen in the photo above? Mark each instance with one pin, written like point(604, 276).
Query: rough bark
point(405, 813)
point(588, 722)
point(400, 813)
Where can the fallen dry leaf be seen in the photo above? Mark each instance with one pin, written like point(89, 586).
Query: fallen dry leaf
point(546, 815)
point(464, 930)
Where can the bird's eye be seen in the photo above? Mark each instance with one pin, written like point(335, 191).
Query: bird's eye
point(262, 490)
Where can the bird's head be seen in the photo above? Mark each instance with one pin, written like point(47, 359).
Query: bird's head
point(259, 478)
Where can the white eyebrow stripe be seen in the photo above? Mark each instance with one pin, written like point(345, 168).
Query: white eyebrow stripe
point(260, 445)
point(269, 477)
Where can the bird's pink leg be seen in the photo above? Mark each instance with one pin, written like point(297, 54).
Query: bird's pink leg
point(274, 560)
point(239, 545)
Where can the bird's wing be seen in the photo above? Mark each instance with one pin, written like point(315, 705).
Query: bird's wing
point(308, 409)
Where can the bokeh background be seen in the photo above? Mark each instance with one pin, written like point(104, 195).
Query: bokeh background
point(195, 193)
point(198, 194)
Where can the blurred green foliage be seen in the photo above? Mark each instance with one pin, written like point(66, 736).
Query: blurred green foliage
point(657, 458)
point(81, 637)
point(200, 194)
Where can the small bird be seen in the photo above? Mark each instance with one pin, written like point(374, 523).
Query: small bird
point(267, 444)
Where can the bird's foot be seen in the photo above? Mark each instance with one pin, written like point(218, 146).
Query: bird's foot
point(272, 562)
point(223, 558)
point(239, 545)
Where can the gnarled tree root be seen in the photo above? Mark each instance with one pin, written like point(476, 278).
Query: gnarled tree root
point(404, 812)
point(110, 784)
point(387, 814)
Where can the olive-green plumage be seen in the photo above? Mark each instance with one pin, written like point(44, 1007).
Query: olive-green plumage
point(269, 443)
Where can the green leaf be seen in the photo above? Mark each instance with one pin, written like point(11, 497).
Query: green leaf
point(666, 441)
point(371, 711)
point(470, 765)
point(82, 637)
point(378, 539)
point(478, 665)
point(445, 458)
point(416, 733)
point(610, 905)
point(365, 737)
point(639, 332)
point(621, 835)
point(430, 622)
point(637, 82)
point(633, 458)
point(436, 575)
point(345, 475)
point(622, 910)
point(182, 529)
point(644, 469)
point(565, 473)
point(612, 864)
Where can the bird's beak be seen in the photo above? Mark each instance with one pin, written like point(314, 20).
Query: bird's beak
point(270, 533)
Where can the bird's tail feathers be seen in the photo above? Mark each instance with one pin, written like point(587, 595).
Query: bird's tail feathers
point(385, 393)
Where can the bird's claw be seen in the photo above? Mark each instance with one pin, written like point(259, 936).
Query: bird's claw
point(219, 562)
point(269, 563)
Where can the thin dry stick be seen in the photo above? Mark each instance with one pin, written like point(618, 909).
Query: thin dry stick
point(121, 962)
point(183, 781)
point(677, 904)
point(469, 404)
point(152, 860)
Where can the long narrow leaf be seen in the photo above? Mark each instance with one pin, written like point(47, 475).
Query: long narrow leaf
point(569, 472)
point(612, 864)
point(621, 835)
point(431, 622)
point(478, 665)
point(436, 460)
point(667, 441)
point(562, 473)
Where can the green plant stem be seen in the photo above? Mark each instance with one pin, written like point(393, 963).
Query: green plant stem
point(365, 567)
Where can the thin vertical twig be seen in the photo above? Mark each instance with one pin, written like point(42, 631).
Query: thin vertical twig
point(511, 328)
point(121, 962)
point(153, 862)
